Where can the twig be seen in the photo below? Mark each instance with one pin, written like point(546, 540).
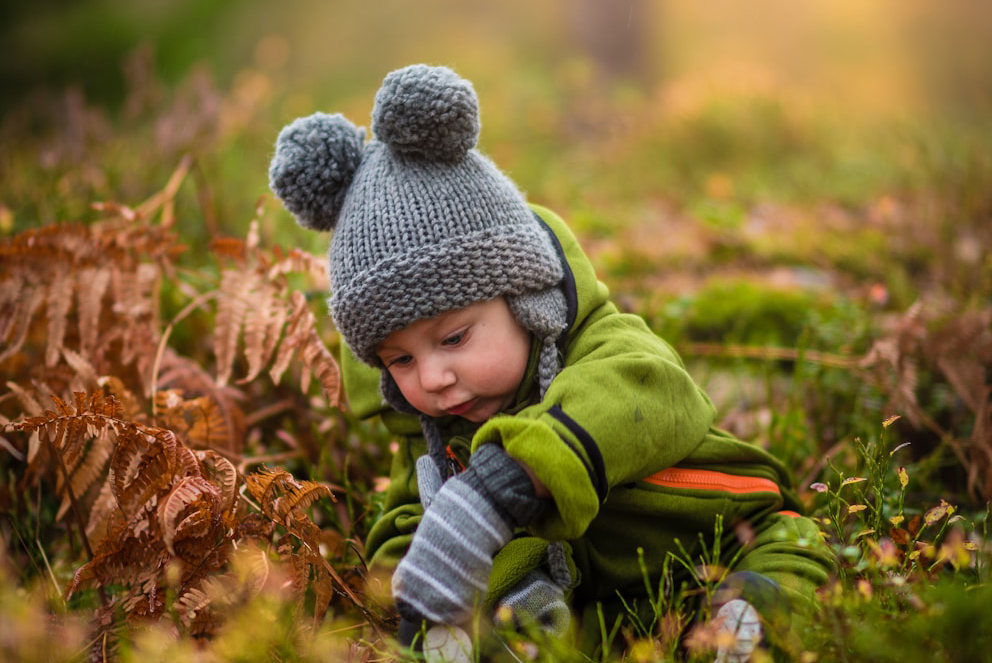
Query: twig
point(769, 354)
point(268, 411)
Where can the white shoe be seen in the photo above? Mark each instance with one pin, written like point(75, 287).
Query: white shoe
point(739, 619)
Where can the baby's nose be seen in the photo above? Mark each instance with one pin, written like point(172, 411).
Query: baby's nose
point(436, 375)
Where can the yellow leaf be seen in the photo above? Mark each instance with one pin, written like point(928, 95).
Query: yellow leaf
point(891, 420)
point(852, 480)
point(854, 508)
point(938, 512)
point(903, 477)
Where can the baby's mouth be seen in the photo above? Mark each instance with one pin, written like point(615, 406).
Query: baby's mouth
point(462, 408)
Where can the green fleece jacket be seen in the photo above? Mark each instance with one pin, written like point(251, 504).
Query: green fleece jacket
point(625, 442)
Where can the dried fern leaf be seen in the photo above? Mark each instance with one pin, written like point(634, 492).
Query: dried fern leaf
point(93, 285)
point(262, 331)
point(321, 362)
point(17, 309)
point(236, 289)
point(264, 485)
point(185, 374)
point(128, 407)
point(323, 588)
point(59, 302)
point(300, 322)
point(142, 465)
point(191, 602)
point(222, 473)
point(188, 511)
point(91, 468)
point(251, 568)
point(135, 304)
point(29, 405)
point(298, 261)
point(209, 427)
point(84, 375)
point(228, 247)
point(100, 513)
point(301, 495)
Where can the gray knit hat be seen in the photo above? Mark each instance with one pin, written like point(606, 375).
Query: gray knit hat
point(423, 222)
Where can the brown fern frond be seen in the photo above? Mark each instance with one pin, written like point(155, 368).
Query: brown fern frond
point(263, 329)
point(93, 285)
point(190, 510)
point(228, 247)
point(236, 290)
point(300, 322)
point(301, 494)
point(191, 380)
point(297, 261)
point(128, 407)
point(264, 484)
point(91, 467)
point(84, 375)
point(136, 304)
point(222, 473)
point(209, 429)
point(142, 465)
point(301, 334)
point(324, 367)
point(59, 300)
point(29, 404)
point(20, 301)
point(323, 588)
point(100, 513)
point(190, 603)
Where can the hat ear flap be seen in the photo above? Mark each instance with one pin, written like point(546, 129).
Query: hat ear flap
point(315, 161)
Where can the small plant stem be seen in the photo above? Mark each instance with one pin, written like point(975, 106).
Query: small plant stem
point(769, 354)
point(72, 494)
point(163, 342)
point(51, 574)
point(75, 506)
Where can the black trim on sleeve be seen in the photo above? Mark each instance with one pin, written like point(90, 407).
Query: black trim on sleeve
point(594, 466)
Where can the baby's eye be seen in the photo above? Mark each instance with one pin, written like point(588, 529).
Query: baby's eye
point(402, 360)
point(454, 339)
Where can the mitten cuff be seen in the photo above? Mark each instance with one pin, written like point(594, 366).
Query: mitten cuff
point(509, 487)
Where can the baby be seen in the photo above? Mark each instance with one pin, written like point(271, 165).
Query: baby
point(553, 450)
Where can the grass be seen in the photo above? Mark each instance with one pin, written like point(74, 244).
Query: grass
point(821, 271)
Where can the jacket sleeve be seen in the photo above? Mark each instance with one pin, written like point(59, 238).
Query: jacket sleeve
point(623, 407)
point(788, 548)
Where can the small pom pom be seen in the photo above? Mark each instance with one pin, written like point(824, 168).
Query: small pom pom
point(429, 112)
point(316, 158)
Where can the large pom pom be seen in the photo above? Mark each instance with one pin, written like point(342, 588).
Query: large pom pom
point(430, 112)
point(316, 158)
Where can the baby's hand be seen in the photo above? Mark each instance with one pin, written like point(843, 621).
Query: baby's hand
point(446, 571)
point(447, 567)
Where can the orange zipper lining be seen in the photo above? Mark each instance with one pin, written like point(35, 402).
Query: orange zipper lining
point(677, 477)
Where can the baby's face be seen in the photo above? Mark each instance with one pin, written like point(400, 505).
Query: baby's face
point(467, 362)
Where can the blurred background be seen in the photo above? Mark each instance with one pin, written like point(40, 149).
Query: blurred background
point(587, 103)
point(806, 183)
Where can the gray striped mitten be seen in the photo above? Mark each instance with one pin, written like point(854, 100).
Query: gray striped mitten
point(536, 602)
point(446, 570)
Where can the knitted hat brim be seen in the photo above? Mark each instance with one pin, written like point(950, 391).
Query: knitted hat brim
point(448, 275)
